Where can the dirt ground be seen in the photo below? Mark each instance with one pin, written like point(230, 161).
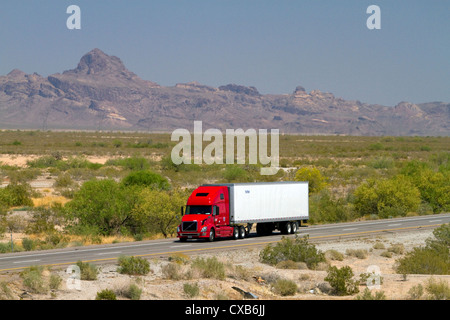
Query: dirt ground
point(254, 276)
point(21, 160)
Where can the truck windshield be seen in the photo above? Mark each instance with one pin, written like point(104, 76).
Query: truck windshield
point(198, 209)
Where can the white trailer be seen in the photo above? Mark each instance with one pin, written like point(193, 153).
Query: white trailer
point(271, 205)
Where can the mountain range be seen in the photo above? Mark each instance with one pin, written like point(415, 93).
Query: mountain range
point(102, 94)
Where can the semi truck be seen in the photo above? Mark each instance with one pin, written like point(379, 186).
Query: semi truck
point(230, 210)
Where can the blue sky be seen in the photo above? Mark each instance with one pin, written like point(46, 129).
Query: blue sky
point(272, 45)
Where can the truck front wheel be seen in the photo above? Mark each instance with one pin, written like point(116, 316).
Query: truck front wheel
point(211, 235)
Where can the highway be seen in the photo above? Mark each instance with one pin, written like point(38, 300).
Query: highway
point(99, 254)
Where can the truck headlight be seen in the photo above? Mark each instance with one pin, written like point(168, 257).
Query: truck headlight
point(204, 229)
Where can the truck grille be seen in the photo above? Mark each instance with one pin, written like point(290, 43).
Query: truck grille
point(189, 226)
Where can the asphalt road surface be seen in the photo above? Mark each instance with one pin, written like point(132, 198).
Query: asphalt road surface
point(109, 253)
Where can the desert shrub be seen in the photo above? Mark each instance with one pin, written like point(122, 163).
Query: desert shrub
point(316, 181)
point(179, 258)
point(416, 292)
point(234, 173)
point(289, 264)
point(341, 280)
point(133, 265)
point(379, 245)
point(55, 282)
point(146, 179)
point(28, 244)
point(33, 279)
point(5, 247)
point(132, 163)
point(172, 271)
point(117, 143)
point(158, 211)
point(326, 209)
point(438, 290)
point(382, 163)
point(396, 196)
point(16, 194)
point(284, 287)
point(43, 162)
point(424, 260)
point(44, 219)
point(334, 255)
point(56, 161)
point(357, 253)
point(398, 248)
point(87, 271)
point(210, 268)
point(297, 250)
point(104, 204)
point(239, 272)
point(23, 175)
point(5, 292)
point(376, 146)
point(434, 186)
point(106, 294)
point(134, 292)
point(441, 236)
point(64, 180)
point(433, 258)
point(130, 291)
point(191, 290)
point(367, 295)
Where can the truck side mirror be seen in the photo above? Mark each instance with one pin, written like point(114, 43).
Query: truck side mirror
point(182, 210)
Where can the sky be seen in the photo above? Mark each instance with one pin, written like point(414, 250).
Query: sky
point(273, 45)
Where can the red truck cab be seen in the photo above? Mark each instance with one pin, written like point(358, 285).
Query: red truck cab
point(206, 214)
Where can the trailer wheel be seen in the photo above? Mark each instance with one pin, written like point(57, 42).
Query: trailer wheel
point(236, 233)
point(211, 235)
point(287, 228)
point(294, 227)
point(241, 232)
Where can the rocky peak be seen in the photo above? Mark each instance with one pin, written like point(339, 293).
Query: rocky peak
point(16, 74)
point(299, 89)
point(300, 92)
point(96, 62)
point(408, 108)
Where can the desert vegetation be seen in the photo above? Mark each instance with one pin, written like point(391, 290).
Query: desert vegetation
point(252, 273)
point(72, 188)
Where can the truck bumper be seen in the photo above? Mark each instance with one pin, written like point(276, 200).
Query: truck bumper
point(192, 235)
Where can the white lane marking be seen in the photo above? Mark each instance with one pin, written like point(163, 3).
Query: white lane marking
point(394, 224)
point(103, 253)
point(434, 220)
point(348, 229)
point(27, 261)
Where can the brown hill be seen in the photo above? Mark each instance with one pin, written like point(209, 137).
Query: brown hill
point(101, 94)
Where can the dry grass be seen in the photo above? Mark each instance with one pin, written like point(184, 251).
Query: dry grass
point(49, 201)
